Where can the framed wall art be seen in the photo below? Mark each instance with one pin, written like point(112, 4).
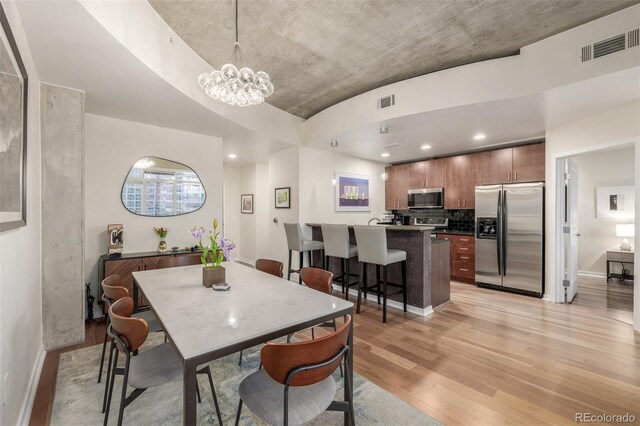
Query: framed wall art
point(116, 242)
point(246, 203)
point(283, 198)
point(616, 202)
point(13, 131)
point(352, 193)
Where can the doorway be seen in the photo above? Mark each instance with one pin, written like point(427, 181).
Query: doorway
point(596, 203)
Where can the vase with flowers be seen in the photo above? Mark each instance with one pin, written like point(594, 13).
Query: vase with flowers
point(162, 233)
point(213, 254)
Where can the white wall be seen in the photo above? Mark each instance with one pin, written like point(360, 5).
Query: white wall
point(247, 240)
point(620, 125)
point(317, 199)
point(21, 350)
point(607, 168)
point(112, 147)
point(231, 177)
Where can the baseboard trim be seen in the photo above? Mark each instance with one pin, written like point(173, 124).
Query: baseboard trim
point(592, 274)
point(423, 312)
point(27, 405)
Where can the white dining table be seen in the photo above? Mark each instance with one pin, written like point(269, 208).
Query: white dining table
point(204, 325)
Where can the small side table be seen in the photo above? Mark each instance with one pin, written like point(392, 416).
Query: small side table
point(619, 256)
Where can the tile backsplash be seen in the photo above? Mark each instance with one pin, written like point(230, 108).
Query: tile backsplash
point(459, 220)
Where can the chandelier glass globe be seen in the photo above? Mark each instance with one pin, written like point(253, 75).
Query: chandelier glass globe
point(240, 87)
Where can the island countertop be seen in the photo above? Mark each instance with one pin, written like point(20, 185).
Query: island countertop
point(389, 227)
point(427, 265)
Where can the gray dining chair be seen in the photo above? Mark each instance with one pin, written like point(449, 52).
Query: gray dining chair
point(372, 249)
point(336, 244)
point(296, 242)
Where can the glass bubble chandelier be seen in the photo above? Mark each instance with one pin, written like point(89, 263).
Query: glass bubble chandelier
point(237, 85)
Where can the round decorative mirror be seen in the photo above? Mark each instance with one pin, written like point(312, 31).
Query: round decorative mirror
point(159, 187)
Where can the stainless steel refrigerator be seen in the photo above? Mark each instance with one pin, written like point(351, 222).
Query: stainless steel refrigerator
point(510, 237)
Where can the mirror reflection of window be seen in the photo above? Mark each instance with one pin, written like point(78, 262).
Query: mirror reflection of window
point(158, 187)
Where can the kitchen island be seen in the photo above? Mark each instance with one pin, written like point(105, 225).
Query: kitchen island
point(427, 266)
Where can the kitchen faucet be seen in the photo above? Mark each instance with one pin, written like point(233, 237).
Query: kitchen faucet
point(372, 219)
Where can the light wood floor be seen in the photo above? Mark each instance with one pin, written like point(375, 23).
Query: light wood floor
point(485, 358)
point(613, 299)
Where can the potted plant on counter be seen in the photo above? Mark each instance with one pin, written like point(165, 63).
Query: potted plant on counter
point(213, 254)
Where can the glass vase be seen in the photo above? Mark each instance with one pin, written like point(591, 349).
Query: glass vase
point(162, 246)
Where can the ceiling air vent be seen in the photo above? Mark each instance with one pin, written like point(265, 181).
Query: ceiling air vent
point(387, 101)
point(617, 43)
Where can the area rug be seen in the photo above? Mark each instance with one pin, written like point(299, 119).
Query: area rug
point(78, 397)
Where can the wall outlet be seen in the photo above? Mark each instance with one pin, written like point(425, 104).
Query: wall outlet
point(5, 388)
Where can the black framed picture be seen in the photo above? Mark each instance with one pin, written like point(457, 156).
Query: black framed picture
point(283, 198)
point(246, 203)
point(13, 137)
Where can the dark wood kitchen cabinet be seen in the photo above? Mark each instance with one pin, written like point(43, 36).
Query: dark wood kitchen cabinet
point(404, 185)
point(463, 256)
point(417, 175)
point(528, 163)
point(461, 175)
point(524, 163)
point(434, 173)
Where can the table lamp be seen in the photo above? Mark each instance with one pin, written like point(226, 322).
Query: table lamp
point(625, 230)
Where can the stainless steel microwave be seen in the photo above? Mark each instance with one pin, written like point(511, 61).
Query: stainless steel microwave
point(428, 198)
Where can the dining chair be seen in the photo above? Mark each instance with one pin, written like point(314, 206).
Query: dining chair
point(112, 291)
point(372, 249)
point(296, 242)
point(150, 368)
point(337, 244)
point(271, 267)
point(296, 384)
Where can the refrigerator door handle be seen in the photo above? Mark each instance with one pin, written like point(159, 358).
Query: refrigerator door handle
point(505, 214)
point(499, 236)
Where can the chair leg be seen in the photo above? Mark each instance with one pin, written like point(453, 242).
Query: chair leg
point(108, 375)
point(123, 395)
point(347, 384)
point(240, 360)
point(213, 391)
point(238, 414)
point(404, 285)
point(360, 288)
point(378, 282)
point(347, 279)
point(289, 272)
point(345, 287)
point(104, 347)
point(198, 391)
point(384, 296)
point(111, 380)
point(300, 267)
point(364, 280)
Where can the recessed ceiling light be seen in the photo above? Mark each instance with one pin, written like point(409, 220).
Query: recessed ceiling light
point(233, 156)
point(385, 154)
point(425, 147)
point(479, 137)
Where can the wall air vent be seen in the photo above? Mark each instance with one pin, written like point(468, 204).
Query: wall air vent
point(617, 43)
point(387, 101)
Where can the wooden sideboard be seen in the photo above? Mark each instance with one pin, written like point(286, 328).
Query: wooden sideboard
point(128, 263)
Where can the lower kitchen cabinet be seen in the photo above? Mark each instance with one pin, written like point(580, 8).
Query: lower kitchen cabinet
point(463, 256)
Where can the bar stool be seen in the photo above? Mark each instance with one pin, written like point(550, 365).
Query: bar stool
point(372, 248)
point(336, 244)
point(295, 242)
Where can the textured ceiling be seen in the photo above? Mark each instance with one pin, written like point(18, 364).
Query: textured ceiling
point(321, 52)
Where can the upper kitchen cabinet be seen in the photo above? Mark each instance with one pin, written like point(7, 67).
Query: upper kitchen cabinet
point(461, 175)
point(404, 185)
point(528, 163)
point(471, 177)
point(434, 173)
point(416, 175)
point(497, 166)
point(510, 165)
point(453, 182)
point(391, 189)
